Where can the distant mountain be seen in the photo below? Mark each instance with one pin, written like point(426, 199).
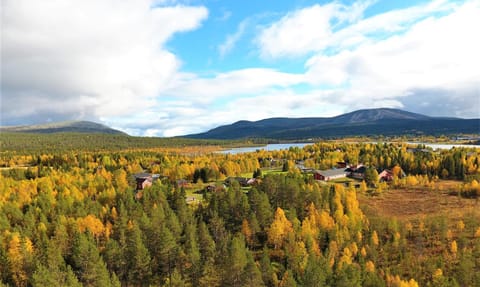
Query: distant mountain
point(367, 122)
point(63, 127)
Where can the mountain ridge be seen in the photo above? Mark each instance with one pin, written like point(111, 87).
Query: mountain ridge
point(382, 121)
point(63, 127)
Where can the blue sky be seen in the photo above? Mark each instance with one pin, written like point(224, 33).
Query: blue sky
point(166, 68)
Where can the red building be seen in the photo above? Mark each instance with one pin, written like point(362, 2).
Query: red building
point(385, 175)
point(145, 180)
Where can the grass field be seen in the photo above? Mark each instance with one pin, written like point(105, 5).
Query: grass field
point(412, 203)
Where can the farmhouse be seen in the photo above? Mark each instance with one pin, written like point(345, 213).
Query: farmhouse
point(145, 180)
point(329, 174)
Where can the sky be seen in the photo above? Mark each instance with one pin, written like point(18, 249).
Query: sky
point(167, 67)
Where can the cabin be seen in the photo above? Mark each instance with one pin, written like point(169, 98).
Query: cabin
point(215, 188)
point(243, 181)
point(145, 180)
point(385, 175)
point(329, 174)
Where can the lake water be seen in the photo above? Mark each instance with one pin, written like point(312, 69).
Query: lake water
point(271, 147)
point(268, 147)
point(445, 146)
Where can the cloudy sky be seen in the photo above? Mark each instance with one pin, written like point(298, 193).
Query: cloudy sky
point(167, 67)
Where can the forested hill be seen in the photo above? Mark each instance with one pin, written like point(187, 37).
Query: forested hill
point(389, 122)
point(62, 127)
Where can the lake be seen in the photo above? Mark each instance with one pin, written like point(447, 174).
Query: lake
point(268, 147)
point(271, 147)
point(445, 146)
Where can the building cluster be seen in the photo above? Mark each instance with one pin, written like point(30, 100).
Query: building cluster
point(342, 170)
point(353, 171)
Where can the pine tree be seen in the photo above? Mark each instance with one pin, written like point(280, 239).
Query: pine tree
point(252, 277)
point(167, 252)
point(192, 253)
point(88, 265)
point(317, 272)
point(210, 276)
point(288, 280)
point(205, 242)
point(236, 263)
point(139, 258)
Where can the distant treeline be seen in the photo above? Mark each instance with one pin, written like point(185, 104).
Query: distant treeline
point(63, 142)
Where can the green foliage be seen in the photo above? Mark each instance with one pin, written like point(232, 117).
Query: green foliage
point(72, 218)
point(371, 176)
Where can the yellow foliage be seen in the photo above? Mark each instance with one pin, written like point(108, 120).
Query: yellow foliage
point(108, 229)
point(375, 238)
point(279, 228)
point(453, 247)
point(42, 227)
point(92, 224)
point(437, 273)
point(354, 248)
point(395, 281)
point(15, 258)
point(28, 245)
point(332, 249)
point(346, 256)
point(359, 237)
point(325, 220)
point(114, 213)
point(411, 180)
point(370, 266)
point(363, 251)
point(247, 231)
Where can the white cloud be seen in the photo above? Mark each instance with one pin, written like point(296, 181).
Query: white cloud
point(86, 59)
point(306, 30)
point(231, 84)
point(106, 60)
point(232, 39)
point(434, 54)
point(337, 27)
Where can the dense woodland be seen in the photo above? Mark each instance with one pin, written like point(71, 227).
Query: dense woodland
point(72, 218)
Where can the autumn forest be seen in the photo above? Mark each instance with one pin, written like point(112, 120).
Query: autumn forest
point(72, 216)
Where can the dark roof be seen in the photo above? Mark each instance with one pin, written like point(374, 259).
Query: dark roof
point(360, 169)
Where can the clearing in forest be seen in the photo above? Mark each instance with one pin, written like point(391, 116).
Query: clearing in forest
point(413, 202)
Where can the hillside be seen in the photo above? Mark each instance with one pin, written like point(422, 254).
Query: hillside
point(382, 121)
point(62, 127)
